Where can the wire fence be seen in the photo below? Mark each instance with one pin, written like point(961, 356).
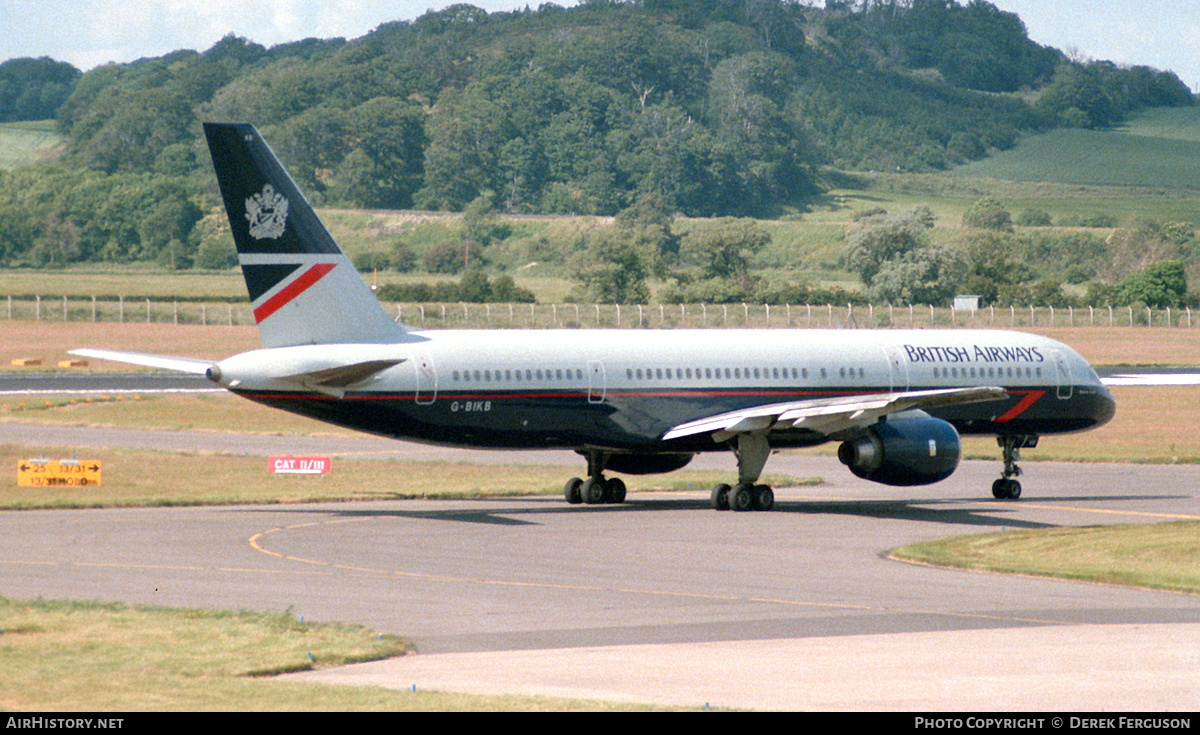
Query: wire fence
point(626, 316)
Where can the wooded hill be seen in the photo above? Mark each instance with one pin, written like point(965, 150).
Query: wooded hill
point(714, 107)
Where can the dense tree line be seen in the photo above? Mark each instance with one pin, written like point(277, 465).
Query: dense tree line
point(34, 89)
point(715, 107)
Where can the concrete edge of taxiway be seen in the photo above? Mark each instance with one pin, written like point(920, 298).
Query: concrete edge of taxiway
point(1082, 668)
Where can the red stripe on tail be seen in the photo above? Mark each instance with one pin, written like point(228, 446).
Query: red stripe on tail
point(292, 290)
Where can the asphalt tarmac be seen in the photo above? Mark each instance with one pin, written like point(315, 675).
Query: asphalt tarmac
point(661, 599)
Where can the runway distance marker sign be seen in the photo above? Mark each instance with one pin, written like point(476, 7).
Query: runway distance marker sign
point(58, 472)
point(300, 465)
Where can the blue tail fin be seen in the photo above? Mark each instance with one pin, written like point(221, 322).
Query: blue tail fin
point(304, 290)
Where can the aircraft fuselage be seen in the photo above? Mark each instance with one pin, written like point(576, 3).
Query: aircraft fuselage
point(624, 389)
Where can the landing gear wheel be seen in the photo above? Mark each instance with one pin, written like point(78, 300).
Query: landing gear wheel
point(592, 491)
point(571, 491)
point(720, 497)
point(764, 497)
point(741, 497)
point(1006, 489)
point(614, 491)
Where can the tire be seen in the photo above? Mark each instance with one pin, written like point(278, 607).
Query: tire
point(741, 497)
point(764, 497)
point(1005, 489)
point(592, 491)
point(720, 497)
point(571, 491)
point(614, 491)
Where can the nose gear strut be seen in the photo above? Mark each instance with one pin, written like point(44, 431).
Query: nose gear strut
point(1006, 488)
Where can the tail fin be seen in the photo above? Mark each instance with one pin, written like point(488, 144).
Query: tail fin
point(304, 290)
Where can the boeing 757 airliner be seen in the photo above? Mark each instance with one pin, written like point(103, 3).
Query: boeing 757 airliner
point(629, 401)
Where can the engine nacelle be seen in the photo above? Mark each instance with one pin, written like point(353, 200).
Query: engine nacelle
point(904, 450)
point(646, 464)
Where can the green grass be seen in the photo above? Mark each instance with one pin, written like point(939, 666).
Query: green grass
point(1163, 556)
point(137, 478)
point(26, 143)
point(1157, 150)
point(1180, 123)
point(112, 657)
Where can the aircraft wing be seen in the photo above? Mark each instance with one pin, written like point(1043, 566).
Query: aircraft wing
point(828, 416)
point(178, 364)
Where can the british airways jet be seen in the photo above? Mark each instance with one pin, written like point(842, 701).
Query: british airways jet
point(629, 401)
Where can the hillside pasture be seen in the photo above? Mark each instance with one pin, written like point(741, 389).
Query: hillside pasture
point(25, 143)
point(1156, 150)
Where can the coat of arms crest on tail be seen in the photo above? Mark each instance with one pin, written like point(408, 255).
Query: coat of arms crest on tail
point(267, 213)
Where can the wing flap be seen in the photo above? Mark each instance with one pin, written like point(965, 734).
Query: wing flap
point(829, 415)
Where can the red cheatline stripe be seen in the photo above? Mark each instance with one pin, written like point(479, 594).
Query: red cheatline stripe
point(1023, 405)
point(292, 290)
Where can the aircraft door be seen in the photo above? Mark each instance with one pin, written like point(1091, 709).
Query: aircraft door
point(597, 382)
point(898, 367)
point(1062, 375)
point(426, 379)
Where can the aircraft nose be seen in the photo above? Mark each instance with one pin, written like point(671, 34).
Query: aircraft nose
point(1108, 404)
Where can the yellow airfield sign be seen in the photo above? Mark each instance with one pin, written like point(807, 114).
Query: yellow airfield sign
point(58, 473)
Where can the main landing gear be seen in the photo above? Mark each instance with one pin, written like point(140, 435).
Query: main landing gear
point(596, 489)
point(751, 451)
point(1006, 488)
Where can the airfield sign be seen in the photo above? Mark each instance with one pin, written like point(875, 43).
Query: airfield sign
point(58, 473)
point(300, 465)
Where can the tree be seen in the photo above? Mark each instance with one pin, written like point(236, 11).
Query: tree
point(481, 225)
point(466, 132)
point(991, 265)
point(882, 238)
point(923, 276)
point(647, 222)
point(988, 214)
point(725, 249)
point(1159, 285)
point(58, 243)
point(33, 89)
point(610, 269)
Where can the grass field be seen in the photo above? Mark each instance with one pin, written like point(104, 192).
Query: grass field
point(25, 143)
point(109, 657)
point(1163, 556)
point(1155, 150)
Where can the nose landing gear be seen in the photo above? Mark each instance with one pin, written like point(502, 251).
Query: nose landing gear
point(1006, 488)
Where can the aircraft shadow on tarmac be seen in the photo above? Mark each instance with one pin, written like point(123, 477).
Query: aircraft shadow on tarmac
point(517, 511)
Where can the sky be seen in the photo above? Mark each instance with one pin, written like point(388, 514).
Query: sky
point(88, 33)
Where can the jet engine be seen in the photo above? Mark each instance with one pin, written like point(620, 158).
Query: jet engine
point(904, 449)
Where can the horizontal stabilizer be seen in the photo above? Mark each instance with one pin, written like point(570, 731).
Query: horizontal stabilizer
point(344, 375)
point(166, 362)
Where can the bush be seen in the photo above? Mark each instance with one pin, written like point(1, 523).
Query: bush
point(474, 287)
point(988, 214)
point(1034, 218)
point(371, 261)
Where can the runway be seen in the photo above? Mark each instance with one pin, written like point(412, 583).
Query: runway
point(661, 599)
